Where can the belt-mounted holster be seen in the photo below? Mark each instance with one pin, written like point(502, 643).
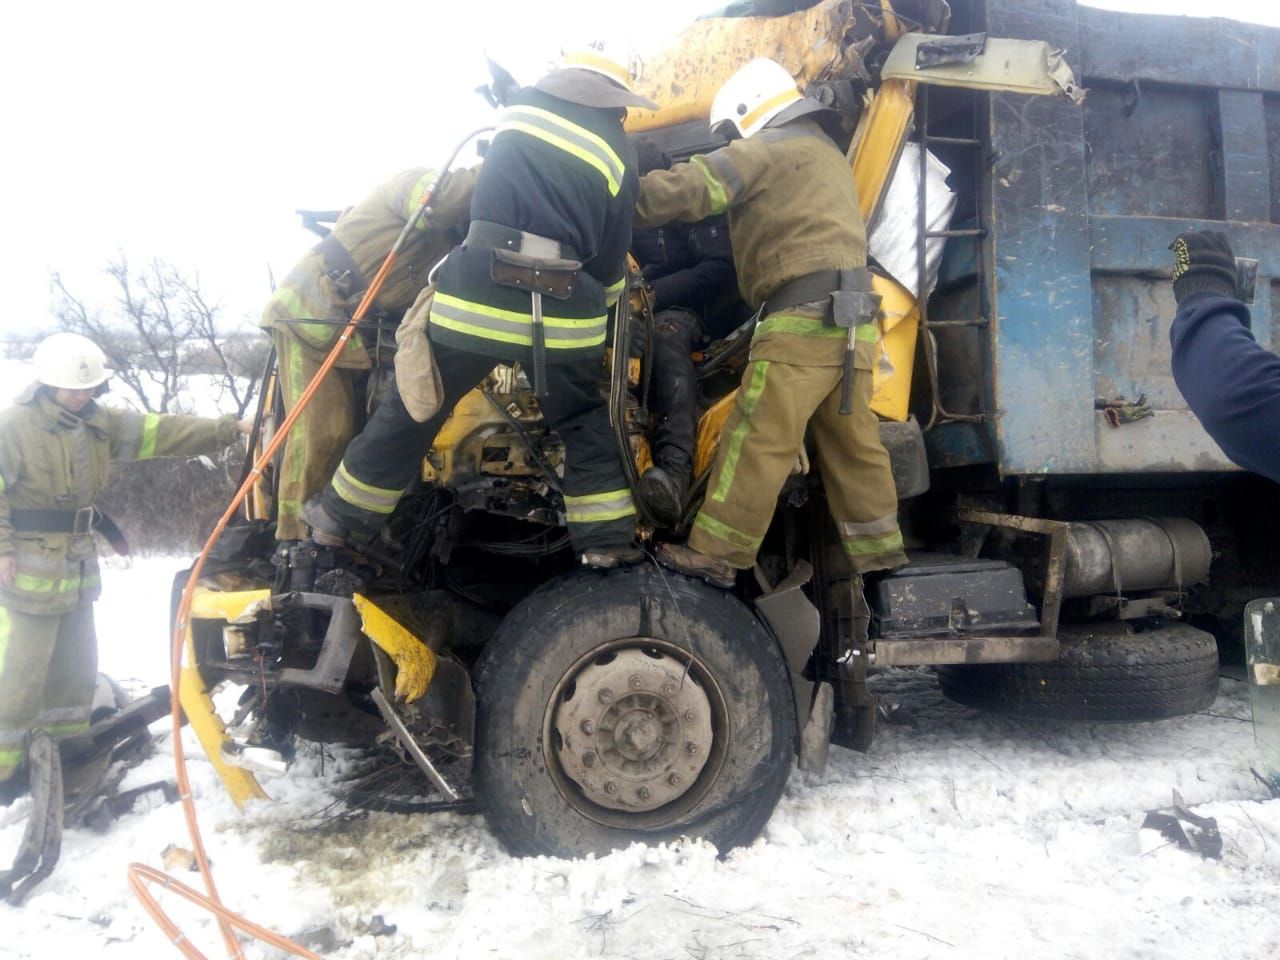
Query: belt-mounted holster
point(555, 278)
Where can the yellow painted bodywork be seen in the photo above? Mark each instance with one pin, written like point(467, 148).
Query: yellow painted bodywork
point(414, 660)
point(683, 78)
point(876, 154)
point(471, 413)
point(198, 708)
point(895, 349)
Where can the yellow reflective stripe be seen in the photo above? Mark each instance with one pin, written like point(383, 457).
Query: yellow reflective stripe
point(866, 333)
point(150, 425)
point(11, 758)
point(715, 189)
point(599, 507)
point(64, 729)
point(511, 326)
point(288, 298)
point(364, 495)
point(574, 140)
point(722, 531)
point(801, 325)
point(27, 583)
point(3, 485)
point(746, 406)
point(6, 630)
point(414, 200)
point(869, 546)
point(611, 294)
point(752, 118)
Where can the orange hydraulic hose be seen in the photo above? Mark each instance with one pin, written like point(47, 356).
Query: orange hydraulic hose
point(138, 871)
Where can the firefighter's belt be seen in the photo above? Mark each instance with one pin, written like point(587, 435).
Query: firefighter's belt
point(495, 236)
point(76, 522)
point(549, 278)
point(340, 265)
point(817, 286)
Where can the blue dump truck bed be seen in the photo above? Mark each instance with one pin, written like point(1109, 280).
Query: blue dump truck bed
point(1180, 130)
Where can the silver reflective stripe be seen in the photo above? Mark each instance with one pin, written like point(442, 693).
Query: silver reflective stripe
point(82, 466)
point(724, 170)
point(130, 436)
point(574, 140)
point(872, 528)
point(64, 716)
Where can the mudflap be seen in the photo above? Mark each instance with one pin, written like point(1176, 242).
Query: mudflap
point(796, 623)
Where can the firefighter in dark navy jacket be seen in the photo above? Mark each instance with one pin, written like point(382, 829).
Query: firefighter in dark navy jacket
point(1230, 382)
point(543, 260)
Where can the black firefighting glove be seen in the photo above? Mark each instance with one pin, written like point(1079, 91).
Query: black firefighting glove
point(1202, 263)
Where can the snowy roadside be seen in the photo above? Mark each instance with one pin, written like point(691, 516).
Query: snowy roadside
point(959, 835)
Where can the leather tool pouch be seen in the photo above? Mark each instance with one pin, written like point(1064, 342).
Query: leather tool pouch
point(551, 278)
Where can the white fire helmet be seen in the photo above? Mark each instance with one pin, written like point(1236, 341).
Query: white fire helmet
point(753, 96)
point(70, 361)
point(577, 76)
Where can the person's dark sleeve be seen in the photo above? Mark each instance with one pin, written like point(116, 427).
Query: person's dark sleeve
point(609, 265)
point(694, 287)
point(1230, 382)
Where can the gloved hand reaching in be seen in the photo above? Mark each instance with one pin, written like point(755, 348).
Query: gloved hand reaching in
point(1202, 263)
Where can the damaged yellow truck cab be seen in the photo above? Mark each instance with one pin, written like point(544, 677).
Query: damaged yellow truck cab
point(467, 659)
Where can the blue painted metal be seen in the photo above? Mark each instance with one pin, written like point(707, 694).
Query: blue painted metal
point(1178, 132)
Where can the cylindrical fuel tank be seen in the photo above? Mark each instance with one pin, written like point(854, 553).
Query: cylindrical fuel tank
point(1138, 554)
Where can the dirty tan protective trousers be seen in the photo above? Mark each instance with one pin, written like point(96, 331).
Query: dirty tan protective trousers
point(313, 449)
point(48, 669)
point(762, 439)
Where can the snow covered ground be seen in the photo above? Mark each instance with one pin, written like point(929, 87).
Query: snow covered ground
point(959, 835)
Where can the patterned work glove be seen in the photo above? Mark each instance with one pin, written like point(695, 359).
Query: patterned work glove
point(1202, 262)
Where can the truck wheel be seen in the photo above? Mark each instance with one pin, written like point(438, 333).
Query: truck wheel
point(630, 705)
point(1103, 675)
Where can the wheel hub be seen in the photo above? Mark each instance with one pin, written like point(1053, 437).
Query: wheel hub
point(634, 730)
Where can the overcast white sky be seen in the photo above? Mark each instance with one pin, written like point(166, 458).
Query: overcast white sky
point(192, 131)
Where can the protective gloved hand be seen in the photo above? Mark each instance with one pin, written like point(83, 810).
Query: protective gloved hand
point(1202, 263)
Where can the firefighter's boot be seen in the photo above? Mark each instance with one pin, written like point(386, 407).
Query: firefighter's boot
point(686, 560)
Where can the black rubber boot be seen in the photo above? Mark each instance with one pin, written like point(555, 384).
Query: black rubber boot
point(663, 492)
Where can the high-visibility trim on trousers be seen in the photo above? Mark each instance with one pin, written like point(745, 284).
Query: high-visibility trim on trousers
point(516, 327)
point(363, 495)
point(578, 142)
point(874, 546)
point(614, 290)
point(871, 528)
point(722, 531)
point(746, 404)
point(599, 507)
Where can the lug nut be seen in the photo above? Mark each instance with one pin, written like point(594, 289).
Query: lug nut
point(668, 690)
point(636, 682)
point(588, 727)
point(611, 787)
point(606, 695)
point(691, 748)
point(689, 716)
point(674, 779)
point(588, 759)
point(643, 793)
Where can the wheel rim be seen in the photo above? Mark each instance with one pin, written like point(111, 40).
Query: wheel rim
point(635, 733)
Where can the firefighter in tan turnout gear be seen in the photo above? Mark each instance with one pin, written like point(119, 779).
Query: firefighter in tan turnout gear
point(307, 311)
point(799, 246)
point(56, 447)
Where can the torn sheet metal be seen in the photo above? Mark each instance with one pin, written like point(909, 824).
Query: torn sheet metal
point(892, 240)
point(1016, 66)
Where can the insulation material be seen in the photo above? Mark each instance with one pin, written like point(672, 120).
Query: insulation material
point(892, 239)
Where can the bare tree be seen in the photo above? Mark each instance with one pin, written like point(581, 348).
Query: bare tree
point(162, 330)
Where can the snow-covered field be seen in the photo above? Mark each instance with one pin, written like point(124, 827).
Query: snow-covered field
point(959, 835)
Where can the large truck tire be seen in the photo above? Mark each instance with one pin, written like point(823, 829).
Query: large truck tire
point(1103, 675)
point(631, 705)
